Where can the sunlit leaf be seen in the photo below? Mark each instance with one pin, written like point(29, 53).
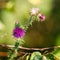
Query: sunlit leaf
point(57, 53)
point(44, 58)
point(28, 57)
point(36, 56)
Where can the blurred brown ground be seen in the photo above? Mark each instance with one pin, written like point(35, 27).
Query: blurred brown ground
point(2, 3)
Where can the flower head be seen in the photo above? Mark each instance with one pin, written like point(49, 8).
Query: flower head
point(42, 17)
point(18, 32)
point(34, 11)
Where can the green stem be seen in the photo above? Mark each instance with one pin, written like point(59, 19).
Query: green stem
point(15, 49)
point(28, 23)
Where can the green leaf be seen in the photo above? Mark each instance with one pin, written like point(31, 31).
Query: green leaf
point(56, 53)
point(28, 57)
point(36, 56)
point(44, 58)
point(50, 57)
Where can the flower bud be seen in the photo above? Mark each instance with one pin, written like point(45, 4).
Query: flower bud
point(17, 23)
point(42, 17)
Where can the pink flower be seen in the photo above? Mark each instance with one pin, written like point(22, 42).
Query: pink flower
point(42, 17)
point(34, 11)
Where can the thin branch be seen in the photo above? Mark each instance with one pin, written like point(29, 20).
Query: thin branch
point(25, 48)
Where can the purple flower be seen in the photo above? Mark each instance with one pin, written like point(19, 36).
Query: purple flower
point(42, 17)
point(18, 32)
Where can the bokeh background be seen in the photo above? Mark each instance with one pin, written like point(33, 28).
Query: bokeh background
point(40, 34)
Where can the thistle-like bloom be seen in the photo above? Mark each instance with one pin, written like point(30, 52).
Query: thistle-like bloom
point(34, 11)
point(18, 32)
point(42, 17)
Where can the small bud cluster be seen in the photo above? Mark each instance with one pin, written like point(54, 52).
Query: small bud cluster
point(36, 11)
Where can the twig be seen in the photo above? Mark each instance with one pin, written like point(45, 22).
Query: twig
point(25, 48)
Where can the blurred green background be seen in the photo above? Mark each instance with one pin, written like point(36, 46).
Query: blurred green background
point(40, 34)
